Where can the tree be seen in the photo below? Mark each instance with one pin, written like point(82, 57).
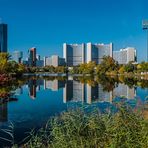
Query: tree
point(4, 57)
point(108, 64)
point(129, 67)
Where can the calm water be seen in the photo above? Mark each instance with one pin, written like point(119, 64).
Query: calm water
point(40, 99)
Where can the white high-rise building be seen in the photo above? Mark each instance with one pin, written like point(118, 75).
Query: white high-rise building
point(54, 60)
point(124, 56)
point(74, 54)
point(95, 52)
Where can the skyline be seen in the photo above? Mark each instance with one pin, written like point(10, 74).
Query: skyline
point(47, 25)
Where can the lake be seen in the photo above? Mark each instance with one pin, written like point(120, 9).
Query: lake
point(34, 100)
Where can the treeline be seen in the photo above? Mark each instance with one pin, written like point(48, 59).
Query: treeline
point(108, 66)
point(8, 67)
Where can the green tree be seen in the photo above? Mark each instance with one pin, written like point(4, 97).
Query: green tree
point(4, 57)
point(129, 67)
point(108, 64)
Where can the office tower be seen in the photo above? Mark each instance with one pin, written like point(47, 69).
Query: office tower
point(54, 60)
point(74, 54)
point(32, 57)
point(3, 37)
point(95, 52)
point(38, 57)
point(17, 56)
point(124, 56)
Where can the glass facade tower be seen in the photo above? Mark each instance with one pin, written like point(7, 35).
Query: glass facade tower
point(3, 37)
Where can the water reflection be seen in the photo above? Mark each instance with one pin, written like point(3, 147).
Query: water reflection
point(4, 112)
point(76, 91)
point(37, 99)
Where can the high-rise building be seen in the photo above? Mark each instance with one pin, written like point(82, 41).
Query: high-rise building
point(39, 61)
point(17, 56)
point(124, 56)
point(74, 54)
point(38, 57)
point(3, 37)
point(95, 52)
point(54, 60)
point(32, 57)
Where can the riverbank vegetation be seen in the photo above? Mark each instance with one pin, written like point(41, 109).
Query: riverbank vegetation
point(9, 69)
point(108, 66)
point(81, 128)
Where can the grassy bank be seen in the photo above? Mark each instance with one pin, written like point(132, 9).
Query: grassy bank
point(81, 129)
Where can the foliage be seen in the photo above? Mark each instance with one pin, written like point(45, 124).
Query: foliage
point(142, 67)
point(129, 67)
point(80, 128)
point(7, 66)
point(4, 57)
point(108, 64)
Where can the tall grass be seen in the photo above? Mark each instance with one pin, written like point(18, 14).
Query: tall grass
point(81, 129)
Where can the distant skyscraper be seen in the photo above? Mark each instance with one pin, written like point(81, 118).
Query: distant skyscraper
point(74, 54)
point(95, 52)
point(124, 56)
point(17, 56)
point(3, 37)
point(39, 62)
point(32, 57)
point(54, 60)
point(38, 57)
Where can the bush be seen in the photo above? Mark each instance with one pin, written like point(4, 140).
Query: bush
point(80, 129)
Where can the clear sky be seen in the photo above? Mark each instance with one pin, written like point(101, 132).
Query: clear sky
point(47, 24)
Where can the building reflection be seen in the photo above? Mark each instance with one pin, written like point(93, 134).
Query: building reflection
point(54, 85)
point(124, 91)
point(35, 86)
point(4, 112)
point(32, 88)
point(75, 91)
point(18, 91)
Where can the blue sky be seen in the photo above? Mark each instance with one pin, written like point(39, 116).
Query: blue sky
point(47, 24)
